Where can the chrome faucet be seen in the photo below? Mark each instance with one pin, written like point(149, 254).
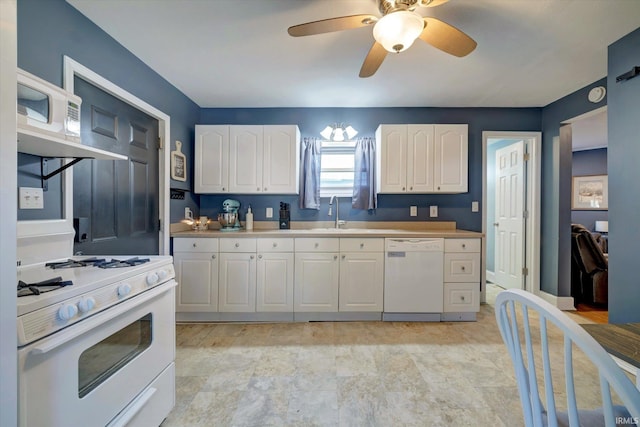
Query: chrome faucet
point(339, 222)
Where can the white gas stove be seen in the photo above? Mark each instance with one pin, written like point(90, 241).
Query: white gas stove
point(100, 331)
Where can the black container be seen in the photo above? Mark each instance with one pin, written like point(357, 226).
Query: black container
point(284, 219)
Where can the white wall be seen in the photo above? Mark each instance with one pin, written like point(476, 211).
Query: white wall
point(8, 213)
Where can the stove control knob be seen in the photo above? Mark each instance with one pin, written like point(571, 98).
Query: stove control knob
point(124, 289)
point(162, 274)
point(67, 311)
point(152, 278)
point(86, 304)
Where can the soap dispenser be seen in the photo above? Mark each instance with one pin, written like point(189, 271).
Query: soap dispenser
point(248, 223)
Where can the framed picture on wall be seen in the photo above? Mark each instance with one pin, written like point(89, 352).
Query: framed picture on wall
point(590, 192)
point(178, 163)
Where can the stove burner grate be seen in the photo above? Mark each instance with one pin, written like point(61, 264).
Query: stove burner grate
point(115, 263)
point(72, 263)
point(53, 284)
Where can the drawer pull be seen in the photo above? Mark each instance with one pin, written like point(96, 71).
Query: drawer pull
point(194, 245)
point(462, 268)
point(275, 245)
point(317, 244)
point(237, 245)
point(464, 246)
point(462, 297)
point(361, 245)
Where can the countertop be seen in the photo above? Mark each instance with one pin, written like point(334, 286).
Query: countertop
point(330, 232)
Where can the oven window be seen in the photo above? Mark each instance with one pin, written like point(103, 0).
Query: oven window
point(98, 363)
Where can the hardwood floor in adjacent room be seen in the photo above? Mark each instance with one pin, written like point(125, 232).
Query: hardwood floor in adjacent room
point(352, 374)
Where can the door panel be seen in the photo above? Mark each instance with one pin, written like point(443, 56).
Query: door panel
point(119, 198)
point(509, 226)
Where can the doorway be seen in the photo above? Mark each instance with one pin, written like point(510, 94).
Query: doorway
point(525, 263)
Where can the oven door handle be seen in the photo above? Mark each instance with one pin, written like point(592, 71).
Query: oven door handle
point(85, 326)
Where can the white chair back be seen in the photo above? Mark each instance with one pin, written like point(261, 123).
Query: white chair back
point(512, 311)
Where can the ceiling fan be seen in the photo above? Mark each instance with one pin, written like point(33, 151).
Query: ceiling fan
point(395, 31)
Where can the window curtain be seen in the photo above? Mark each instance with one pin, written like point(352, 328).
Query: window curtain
point(310, 149)
point(364, 181)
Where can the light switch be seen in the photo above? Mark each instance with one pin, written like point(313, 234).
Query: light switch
point(475, 207)
point(269, 213)
point(31, 198)
point(433, 211)
point(413, 211)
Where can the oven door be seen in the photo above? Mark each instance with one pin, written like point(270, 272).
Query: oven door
point(89, 372)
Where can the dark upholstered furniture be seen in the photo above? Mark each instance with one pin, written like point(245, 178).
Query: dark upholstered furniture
point(589, 269)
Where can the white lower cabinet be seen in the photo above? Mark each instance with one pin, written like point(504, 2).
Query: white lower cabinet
point(361, 274)
point(274, 289)
point(237, 282)
point(317, 275)
point(462, 275)
point(196, 266)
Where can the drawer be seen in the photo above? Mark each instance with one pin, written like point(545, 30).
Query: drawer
point(312, 244)
point(189, 244)
point(462, 245)
point(268, 244)
point(237, 245)
point(461, 267)
point(361, 245)
point(461, 297)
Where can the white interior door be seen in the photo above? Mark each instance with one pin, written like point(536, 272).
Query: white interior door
point(509, 223)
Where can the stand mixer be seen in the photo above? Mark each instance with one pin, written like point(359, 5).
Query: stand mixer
point(229, 220)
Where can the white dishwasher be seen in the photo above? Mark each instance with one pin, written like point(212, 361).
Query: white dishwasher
point(413, 279)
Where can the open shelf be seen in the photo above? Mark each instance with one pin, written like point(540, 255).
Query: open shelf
point(31, 143)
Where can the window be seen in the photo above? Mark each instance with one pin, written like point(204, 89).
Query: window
point(336, 173)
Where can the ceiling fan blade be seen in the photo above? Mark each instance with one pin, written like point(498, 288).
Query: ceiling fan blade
point(374, 59)
point(331, 25)
point(447, 37)
point(431, 3)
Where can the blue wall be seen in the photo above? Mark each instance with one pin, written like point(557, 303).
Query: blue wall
point(555, 236)
point(48, 30)
point(589, 162)
point(366, 120)
point(624, 175)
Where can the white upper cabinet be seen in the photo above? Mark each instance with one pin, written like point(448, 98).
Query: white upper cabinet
point(451, 158)
point(422, 158)
point(247, 159)
point(281, 154)
point(211, 160)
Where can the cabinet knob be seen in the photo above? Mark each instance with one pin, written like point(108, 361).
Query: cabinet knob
point(410, 188)
point(275, 245)
point(335, 257)
point(438, 188)
point(265, 188)
point(344, 256)
point(251, 257)
point(317, 244)
point(260, 256)
point(237, 245)
point(464, 246)
point(224, 189)
point(194, 245)
point(258, 189)
point(462, 268)
point(462, 297)
point(361, 245)
point(402, 188)
point(213, 257)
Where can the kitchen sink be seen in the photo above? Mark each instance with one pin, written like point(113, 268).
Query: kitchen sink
point(352, 230)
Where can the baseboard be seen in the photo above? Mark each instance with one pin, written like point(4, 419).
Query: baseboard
point(563, 303)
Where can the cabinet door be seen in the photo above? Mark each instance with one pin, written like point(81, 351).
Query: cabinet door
point(391, 141)
point(274, 288)
point(361, 281)
point(197, 277)
point(420, 155)
point(316, 282)
point(451, 158)
point(281, 159)
point(245, 159)
point(211, 159)
point(237, 282)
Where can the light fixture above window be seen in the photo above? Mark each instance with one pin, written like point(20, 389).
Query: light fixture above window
point(338, 133)
point(397, 31)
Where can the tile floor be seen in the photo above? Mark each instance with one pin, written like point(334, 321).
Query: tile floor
point(347, 374)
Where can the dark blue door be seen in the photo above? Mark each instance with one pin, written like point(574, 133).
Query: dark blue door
point(119, 198)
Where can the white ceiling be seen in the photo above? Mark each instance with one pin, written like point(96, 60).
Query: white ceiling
point(590, 131)
point(237, 53)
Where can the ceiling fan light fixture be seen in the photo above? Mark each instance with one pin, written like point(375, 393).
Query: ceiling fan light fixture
point(397, 31)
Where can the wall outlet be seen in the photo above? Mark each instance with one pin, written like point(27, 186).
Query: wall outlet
point(413, 211)
point(433, 211)
point(475, 207)
point(31, 198)
point(269, 213)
